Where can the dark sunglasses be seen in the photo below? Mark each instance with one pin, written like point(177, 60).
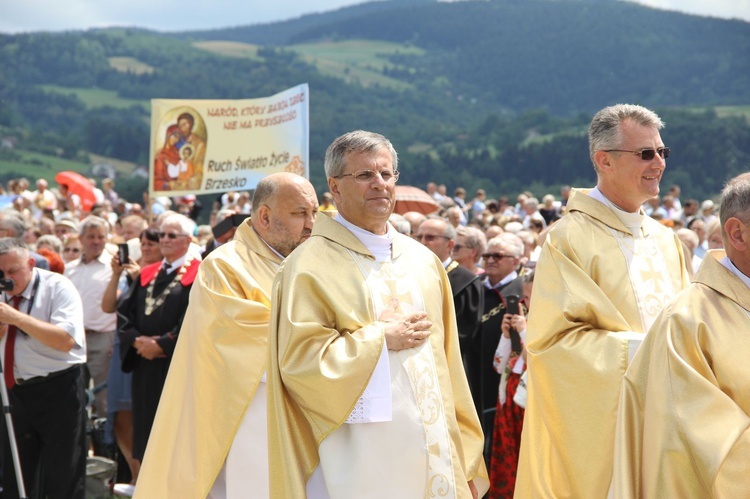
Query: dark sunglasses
point(458, 247)
point(645, 154)
point(428, 237)
point(74, 250)
point(170, 235)
point(496, 256)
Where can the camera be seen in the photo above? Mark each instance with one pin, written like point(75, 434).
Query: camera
point(6, 284)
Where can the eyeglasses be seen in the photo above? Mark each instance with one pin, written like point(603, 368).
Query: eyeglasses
point(71, 250)
point(646, 154)
point(496, 256)
point(458, 247)
point(428, 237)
point(170, 235)
point(367, 176)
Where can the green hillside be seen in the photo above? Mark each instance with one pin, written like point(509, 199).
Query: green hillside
point(491, 94)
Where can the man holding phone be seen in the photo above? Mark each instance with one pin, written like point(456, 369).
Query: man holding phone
point(90, 275)
point(501, 261)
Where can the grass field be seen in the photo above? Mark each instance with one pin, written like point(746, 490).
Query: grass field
point(33, 166)
point(230, 49)
point(96, 97)
point(358, 61)
point(723, 111)
point(355, 61)
point(130, 65)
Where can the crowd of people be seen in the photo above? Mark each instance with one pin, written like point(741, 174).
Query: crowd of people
point(400, 347)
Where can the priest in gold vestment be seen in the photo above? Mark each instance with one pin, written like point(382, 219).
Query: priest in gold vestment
point(209, 437)
point(684, 423)
point(605, 272)
point(367, 393)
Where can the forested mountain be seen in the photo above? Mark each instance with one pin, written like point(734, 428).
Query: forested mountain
point(492, 94)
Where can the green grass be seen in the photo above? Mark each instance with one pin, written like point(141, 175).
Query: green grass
point(535, 138)
point(724, 111)
point(34, 165)
point(356, 61)
point(95, 97)
point(130, 65)
point(230, 49)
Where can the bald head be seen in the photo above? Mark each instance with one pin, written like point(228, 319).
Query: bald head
point(284, 207)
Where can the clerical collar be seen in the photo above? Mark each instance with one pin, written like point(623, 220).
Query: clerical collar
point(633, 221)
point(729, 264)
point(174, 265)
point(271, 248)
point(505, 280)
point(447, 262)
point(379, 246)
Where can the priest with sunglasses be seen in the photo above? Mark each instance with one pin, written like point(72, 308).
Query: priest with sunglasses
point(605, 272)
point(150, 317)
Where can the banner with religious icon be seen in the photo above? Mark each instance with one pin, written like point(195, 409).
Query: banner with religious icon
point(207, 146)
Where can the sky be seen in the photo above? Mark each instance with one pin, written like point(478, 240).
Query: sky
point(168, 15)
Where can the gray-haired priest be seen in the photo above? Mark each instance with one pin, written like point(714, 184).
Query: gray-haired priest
point(367, 392)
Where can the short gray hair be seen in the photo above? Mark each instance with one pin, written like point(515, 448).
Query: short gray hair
point(605, 132)
point(187, 225)
point(475, 238)
point(264, 192)
point(9, 244)
point(735, 200)
point(52, 240)
point(356, 141)
point(511, 242)
point(400, 223)
point(95, 222)
point(14, 222)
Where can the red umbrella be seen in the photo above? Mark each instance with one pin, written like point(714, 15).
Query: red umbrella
point(409, 198)
point(79, 185)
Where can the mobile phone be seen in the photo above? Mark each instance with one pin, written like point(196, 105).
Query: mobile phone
point(512, 307)
point(511, 302)
point(122, 253)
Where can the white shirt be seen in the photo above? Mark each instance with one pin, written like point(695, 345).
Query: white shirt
point(57, 302)
point(91, 280)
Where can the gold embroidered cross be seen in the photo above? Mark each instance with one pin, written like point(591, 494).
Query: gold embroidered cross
point(652, 275)
point(394, 299)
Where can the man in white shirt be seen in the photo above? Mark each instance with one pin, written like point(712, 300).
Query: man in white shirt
point(90, 275)
point(43, 345)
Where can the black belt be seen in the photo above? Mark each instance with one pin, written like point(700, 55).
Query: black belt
point(40, 379)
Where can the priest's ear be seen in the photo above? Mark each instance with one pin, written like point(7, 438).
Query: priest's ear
point(737, 234)
point(262, 215)
point(602, 160)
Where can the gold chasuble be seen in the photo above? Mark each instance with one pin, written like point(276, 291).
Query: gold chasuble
point(326, 342)
point(216, 369)
point(684, 422)
point(598, 289)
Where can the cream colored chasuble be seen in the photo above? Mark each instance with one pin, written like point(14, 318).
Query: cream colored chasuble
point(646, 266)
point(400, 413)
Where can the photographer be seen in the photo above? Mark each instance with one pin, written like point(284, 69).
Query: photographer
point(43, 347)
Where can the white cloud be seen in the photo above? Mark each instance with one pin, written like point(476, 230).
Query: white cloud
point(739, 9)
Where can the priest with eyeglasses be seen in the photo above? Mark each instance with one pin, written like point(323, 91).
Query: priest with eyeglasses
point(605, 272)
point(367, 392)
